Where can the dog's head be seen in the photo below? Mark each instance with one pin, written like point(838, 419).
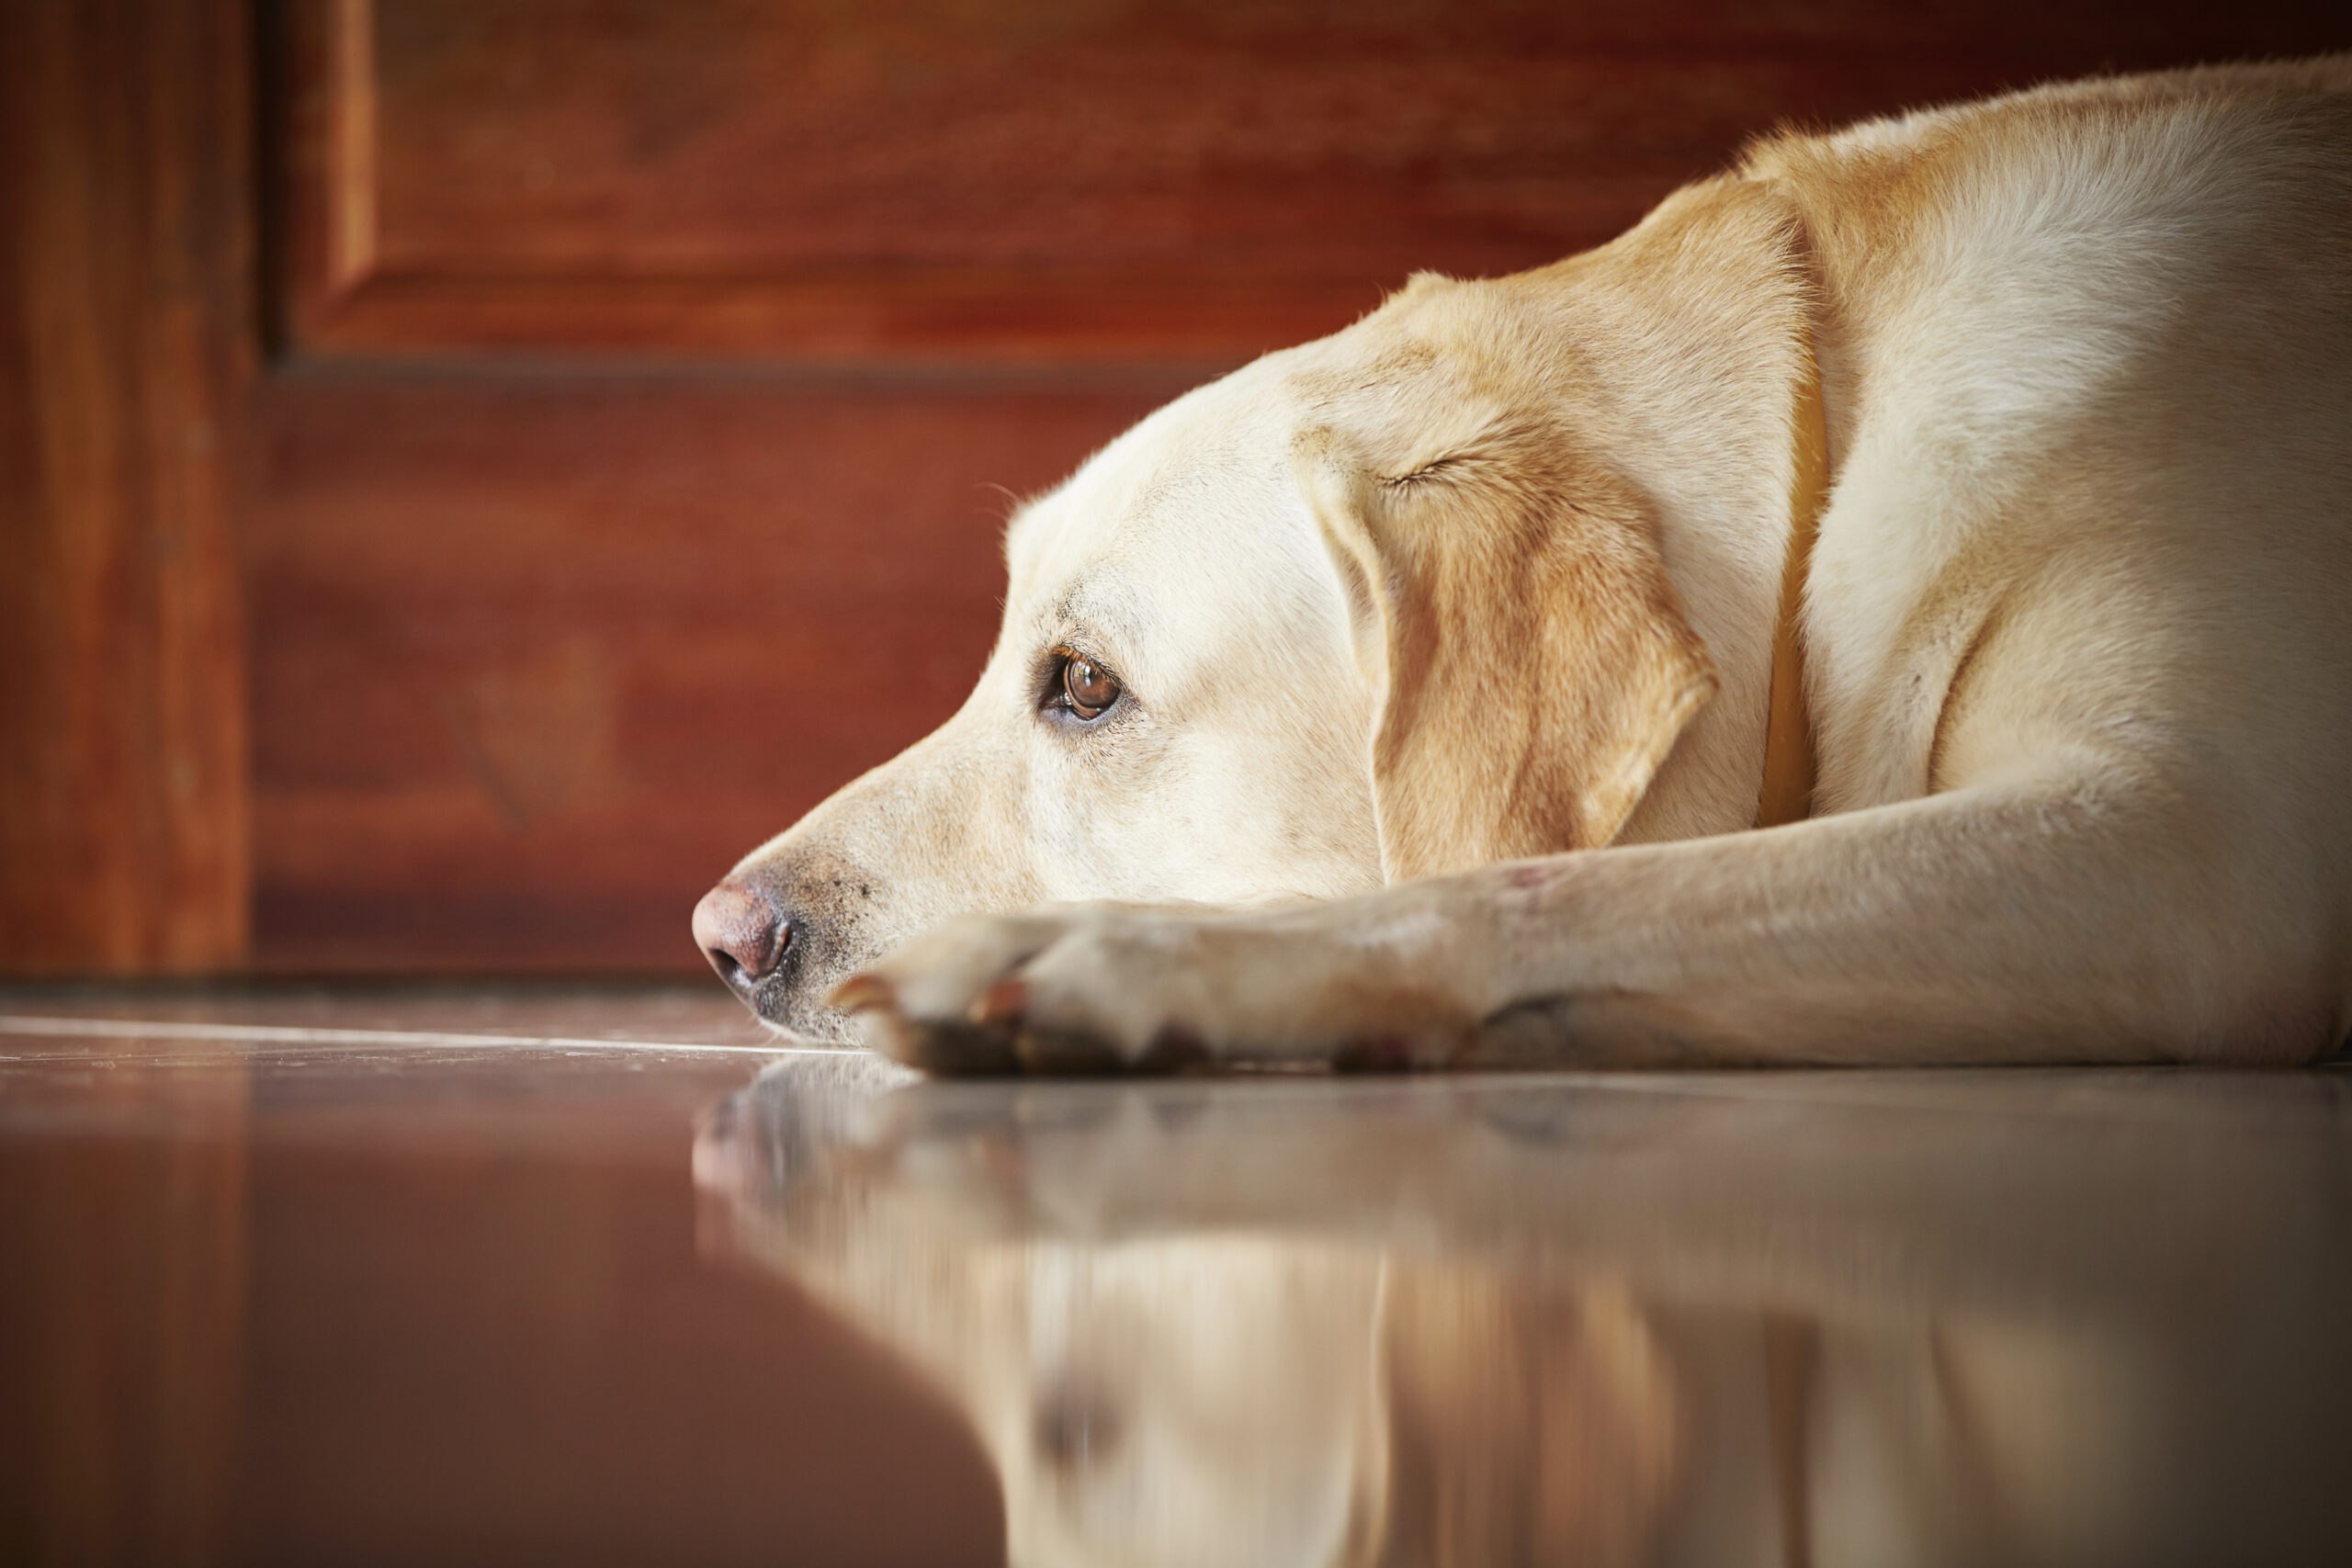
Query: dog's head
point(1388, 604)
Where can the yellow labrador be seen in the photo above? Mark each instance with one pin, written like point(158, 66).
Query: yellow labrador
point(1963, 500)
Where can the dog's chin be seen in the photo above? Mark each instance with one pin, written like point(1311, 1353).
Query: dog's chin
point(827, 1029)
point(795, 1013)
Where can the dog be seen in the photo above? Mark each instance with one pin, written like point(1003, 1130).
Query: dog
point(1891, 606)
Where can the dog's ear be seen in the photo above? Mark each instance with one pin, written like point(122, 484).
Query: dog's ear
point(1489, 471)
point(1531, 665)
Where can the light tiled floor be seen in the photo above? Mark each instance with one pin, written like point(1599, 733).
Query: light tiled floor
point(457, 1274)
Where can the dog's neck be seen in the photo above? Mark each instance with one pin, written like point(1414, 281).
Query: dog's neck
point(1786, 794)
point(1739, 552)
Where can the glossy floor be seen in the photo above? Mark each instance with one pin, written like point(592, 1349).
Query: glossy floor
point(458, 1276)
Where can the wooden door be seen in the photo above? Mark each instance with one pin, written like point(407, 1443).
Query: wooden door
point(621, 399)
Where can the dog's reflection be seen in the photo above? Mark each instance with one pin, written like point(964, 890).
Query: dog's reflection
point(1491, 1322)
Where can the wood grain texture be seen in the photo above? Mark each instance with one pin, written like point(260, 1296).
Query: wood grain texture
point(124, 314)
point(1061, 180)
point(538, 658)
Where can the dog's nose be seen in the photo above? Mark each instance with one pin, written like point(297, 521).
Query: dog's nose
point(741, 933)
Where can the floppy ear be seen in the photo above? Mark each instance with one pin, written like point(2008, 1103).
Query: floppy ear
point(1488, 475)
point(1531, 665)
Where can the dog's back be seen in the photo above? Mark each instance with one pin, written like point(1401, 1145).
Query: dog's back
point(2097, 358)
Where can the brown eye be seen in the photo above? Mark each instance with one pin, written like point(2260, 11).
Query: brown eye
point(1089, 690)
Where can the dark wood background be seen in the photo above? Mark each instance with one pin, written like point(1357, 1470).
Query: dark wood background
point(474, 467)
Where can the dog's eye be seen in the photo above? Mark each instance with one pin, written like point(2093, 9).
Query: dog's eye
point(1086, 687)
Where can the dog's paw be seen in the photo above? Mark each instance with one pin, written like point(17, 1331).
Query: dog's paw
point(1100, 988)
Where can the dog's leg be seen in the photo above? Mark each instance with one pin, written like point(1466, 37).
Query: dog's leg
point(2082, 917)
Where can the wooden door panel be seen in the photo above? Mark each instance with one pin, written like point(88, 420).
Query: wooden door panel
point(538, 658)
point(126, 324)
point(1058, 180)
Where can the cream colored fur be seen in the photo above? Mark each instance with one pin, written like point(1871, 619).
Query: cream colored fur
point(1413, 621)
